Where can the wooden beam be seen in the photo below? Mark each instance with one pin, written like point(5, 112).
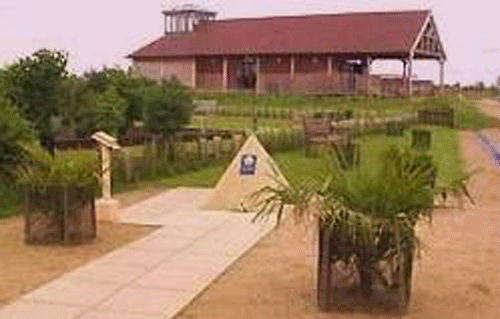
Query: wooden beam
point(224, 74)
point(330, 66)
point(292, 67)
point(257, 76)
point(410, 75)
point(369, 61)
point(441, 76)
point(194, 73)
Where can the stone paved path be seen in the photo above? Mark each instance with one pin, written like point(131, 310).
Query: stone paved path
point(156, 276)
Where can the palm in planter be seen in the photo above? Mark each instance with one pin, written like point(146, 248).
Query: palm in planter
point(367, 218)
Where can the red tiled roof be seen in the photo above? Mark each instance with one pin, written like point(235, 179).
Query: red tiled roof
point(379, 33)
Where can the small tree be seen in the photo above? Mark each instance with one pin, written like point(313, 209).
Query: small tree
point(33, 84)
point(109, 111)
point(17, 142)
point(168, 107)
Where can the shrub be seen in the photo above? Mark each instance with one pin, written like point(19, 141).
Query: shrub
point(17, 142)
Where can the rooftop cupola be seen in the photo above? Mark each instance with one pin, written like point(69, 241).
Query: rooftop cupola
point(184, 19)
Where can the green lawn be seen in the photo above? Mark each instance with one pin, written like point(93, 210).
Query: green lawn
point(294, 165)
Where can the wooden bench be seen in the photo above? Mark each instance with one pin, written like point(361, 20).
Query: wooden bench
point(319, 130)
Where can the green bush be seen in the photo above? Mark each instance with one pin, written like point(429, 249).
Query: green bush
point(17, 142)
point(60, 170)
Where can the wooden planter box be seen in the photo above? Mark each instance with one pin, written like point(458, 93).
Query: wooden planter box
point(343, 286)
point(59, 214)
point(437, 116)
point(421, 139)
point(395, 128)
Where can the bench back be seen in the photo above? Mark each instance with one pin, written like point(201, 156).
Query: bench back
point(316, 127)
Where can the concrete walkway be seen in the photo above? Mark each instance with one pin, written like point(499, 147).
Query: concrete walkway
point(156, 276)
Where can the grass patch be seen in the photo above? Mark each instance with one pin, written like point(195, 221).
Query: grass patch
point(444, 149)
point(469, 116)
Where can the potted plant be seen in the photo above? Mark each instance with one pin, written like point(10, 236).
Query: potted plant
point(366, 218)
point(59, 199)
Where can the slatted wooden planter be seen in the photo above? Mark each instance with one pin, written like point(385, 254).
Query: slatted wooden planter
point(59, 214)
point(343, 284)
point(421, 139)
point(395, 128)
point(437, 116)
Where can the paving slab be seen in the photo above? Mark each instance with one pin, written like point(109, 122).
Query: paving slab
point(155, 276)
point(39, 310)
point(144, 300)
point(117, 315)
point(64, 292)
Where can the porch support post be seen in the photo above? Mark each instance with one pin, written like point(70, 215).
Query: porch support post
point(441, 76)
point(224, 74)
point(369, 61)
point(194, 73)
point(257, 76)
point(330, 66)
point(403, 83)
point(410, 75)
point(292, 67)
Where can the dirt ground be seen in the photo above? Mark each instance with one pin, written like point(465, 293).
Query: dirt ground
point(24, 267)
point(458, 275)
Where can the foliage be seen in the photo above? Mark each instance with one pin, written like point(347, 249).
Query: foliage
point(76, 106)
point(33, 84)
point(370, 212)
point(17, 142)
point(61, 170)
point(168, 107)
point(108, 112)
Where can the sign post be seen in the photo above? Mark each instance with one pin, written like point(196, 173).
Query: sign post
point(106, 206)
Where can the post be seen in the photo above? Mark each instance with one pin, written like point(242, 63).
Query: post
point(257, 76)
point(106, 172)
point(405, 64)
point(441, 76)
point(330, 66)
point(367, 75)
point(410, 76)
point(194, 73)
point(224, 74)
point(292, 67)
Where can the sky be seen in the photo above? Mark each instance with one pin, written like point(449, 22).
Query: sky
point(97, 33)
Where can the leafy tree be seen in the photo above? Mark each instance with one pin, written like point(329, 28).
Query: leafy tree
point(109, 111)
point(74, 102)
point(17, 142)
point(33, 84)
point(167, 107)
point(130, 87)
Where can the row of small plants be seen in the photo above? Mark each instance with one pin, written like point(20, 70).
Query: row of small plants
point(271, 113)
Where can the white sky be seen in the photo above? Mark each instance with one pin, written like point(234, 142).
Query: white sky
point(103, 32)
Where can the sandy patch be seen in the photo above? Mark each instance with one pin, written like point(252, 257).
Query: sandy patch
point(457, 277)
point(25, 267)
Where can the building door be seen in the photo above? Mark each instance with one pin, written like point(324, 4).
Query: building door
point(246, 74)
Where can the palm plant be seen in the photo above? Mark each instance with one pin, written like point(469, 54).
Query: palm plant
point(368, 212)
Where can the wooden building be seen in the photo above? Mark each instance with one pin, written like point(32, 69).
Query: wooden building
point(311, 54)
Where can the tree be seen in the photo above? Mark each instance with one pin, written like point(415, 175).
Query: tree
point(74, 102)
point(33, 84)
point(17, 141)
point(109, 111)
point(167, 107)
